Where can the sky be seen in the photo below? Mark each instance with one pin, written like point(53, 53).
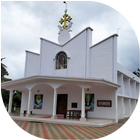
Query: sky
point(23, 23)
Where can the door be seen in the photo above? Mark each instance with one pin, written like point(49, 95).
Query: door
point(62, 103)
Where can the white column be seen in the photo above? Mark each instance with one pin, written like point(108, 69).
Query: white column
point(135, 108)
point(116, 107)
point(139, 107)
point(10, 101)
point(29, 103)
point(123, 108)
point(83, 106)
point(54, 104)
point(21, 108)
point(130, 108)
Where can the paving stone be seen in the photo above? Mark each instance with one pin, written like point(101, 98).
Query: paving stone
point(125, 129)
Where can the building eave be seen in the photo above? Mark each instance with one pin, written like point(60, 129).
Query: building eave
point(21, 81)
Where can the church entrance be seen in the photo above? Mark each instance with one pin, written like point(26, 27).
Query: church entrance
point(62, 103)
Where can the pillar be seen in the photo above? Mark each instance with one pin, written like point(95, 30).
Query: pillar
point(130, 108)
point(10, 101)
point(83, 106)
point(54, 104)
point(123, 108)
point(29, 103)
point(135, 108)
point(116, 107)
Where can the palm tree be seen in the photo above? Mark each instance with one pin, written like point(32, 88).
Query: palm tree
point(3, 70)
point(137, 73)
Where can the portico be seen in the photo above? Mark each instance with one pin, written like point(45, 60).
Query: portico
point(75, 88)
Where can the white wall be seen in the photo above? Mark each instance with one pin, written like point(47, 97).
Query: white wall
point(137, 107)
point(120, 82)
point(48, 94)
point(103, 60)
point(127, 105)
point(78, 51)
point(133, 105)
point(126, 83)
point(137, 89)
point(130, 86)
point(133, 88)
point(74, 95)
point(31, 64)
point(24, 101)
point(120, 108)
point(103, 93)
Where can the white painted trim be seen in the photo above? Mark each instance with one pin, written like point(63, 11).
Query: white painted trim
point(25, 68)
point(29, 102)
point(114, 60)
point(54, 102)
point(41, 44)
point(10, 101)
point(104, 40)
point(70, 79)
point(124, 96)
point(69, 40)
point(116, 107)
point(127, 73)
point(31, 52)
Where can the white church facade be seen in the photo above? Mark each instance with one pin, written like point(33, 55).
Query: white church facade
point(76, 75)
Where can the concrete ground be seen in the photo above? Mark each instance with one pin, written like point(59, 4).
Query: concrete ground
point(63, 131)
point(94, 122)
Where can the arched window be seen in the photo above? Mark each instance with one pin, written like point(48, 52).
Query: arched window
point(61, 60)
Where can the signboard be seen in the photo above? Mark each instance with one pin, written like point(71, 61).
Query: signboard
point(104, 103)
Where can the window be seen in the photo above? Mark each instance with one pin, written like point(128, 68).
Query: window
point(61, 60)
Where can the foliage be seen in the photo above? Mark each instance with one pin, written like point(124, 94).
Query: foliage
point(5, 96)
point(3, 70)
point(17, 98)
point(5, 93)
point(6, 79)
point(137, 73)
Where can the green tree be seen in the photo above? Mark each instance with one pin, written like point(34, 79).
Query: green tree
point(137, 73)
point(5, 97)
point(3, 70)
point(5, 94)
point(17, 98)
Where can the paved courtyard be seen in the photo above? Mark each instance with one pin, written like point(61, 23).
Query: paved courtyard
point(59, 131)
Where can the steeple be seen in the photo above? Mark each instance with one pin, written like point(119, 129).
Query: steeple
point(64, 30)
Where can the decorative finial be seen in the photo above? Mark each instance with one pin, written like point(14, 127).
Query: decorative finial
point(66, 18)
point(66, 5)
point(64, 30)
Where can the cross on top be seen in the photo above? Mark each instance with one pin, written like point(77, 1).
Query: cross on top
point(66, 18)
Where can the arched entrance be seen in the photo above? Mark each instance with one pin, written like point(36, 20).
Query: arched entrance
point(42, 99)
point(67, 95)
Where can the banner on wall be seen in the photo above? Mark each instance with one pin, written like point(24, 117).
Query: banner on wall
point(38, 101)
point(89, 102)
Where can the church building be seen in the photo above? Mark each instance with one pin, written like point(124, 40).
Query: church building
point(76, 76)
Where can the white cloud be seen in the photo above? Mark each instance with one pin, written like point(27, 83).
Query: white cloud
point(23, 23)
